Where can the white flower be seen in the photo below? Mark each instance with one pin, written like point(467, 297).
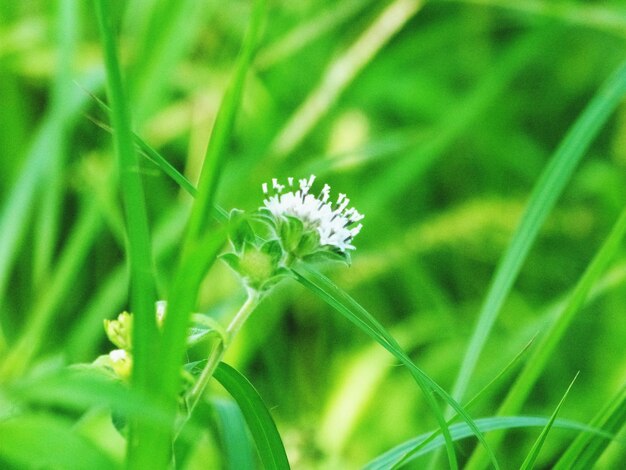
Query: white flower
point(334, 222)
point(121, 362)
point(118, 355)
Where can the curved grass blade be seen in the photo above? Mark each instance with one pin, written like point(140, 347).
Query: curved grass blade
point(79, 388)
point(541, 355)
point(160, 161)
point(353, 311)
point(187, 275)
point(408, 455)
point(238, 448)
point(459, 431)
point(543, 198)
point(341, 72)
point(44, 441)
point(262, 427)
point(587, 447)
point(155, 157)
point(531, 458)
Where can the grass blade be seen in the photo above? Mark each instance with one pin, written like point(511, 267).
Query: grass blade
point(260, 422)
point(506, 370)
point(155, 157)
point(68, 268)
point(43, 441)
point(234, 436)
point(347, 306)
point(544, 350)
point(139, 252)
point(543, 198)
point(459, 431)
point(201, 247)
point(17, 211)
point(220, 137)
point(587, 448)
point(341, 72)
point(531, 458)
point(52, 193)
point(162, 163)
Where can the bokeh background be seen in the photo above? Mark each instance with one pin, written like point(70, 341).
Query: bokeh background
point(436, 118)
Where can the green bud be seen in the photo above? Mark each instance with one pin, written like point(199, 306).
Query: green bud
point(120, 331)
point(259, 267)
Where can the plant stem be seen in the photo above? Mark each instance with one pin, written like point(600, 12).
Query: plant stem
point(217, 353)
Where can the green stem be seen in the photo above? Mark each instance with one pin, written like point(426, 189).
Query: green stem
point(217, 353)
point(254, 297)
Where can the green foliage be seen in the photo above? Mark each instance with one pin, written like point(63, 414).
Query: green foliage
point(483, 141)
point(260, 421)
point(531, 458)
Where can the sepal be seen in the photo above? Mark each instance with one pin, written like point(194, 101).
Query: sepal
point(239, 230)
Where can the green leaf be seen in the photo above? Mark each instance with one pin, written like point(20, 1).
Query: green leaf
point(587, 448)
point(459, 431)
point(347, 306)
point(417, 450)
point(265, 217)
point(274, 249)
point(531, 458)
point(544, 351)
point(260, 422)
point(139, 251)
point(232, 260)
point(543, 198)
point(234, 435)
point(239, 230)
point(45, 441)
point(204, 327)
point(82, 387)
point(201, 245)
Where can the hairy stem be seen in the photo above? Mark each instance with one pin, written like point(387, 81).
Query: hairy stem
point(218, 351)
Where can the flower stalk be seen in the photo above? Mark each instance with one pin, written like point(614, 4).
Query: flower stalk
point(218, 351)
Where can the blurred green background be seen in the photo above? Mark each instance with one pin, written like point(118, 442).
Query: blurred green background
point(436, 118)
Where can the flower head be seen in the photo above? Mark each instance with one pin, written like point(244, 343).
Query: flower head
point(334, 223)
point(120, 330)
point(121, 362)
